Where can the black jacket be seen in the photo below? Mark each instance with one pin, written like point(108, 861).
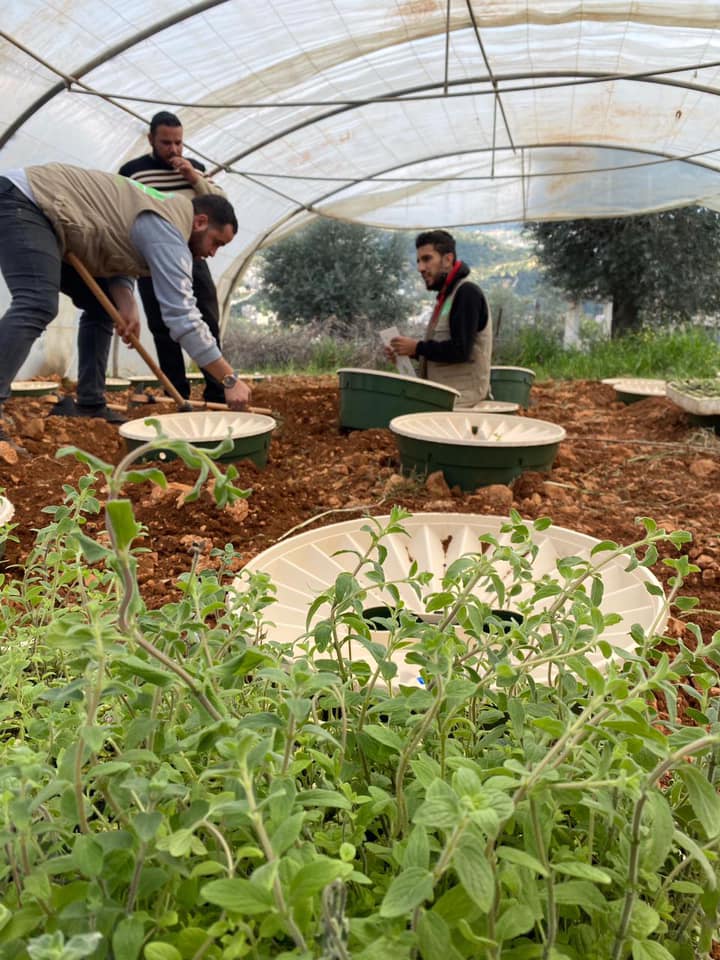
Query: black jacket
point(468, 316)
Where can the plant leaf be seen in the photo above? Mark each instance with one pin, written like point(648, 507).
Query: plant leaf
point(583, 871)
point(409, 889)
point(238, 895)
point(434, 938)
point(384, 735)
point(316, 875)
point(514, 921)
point(649, 950)
point(158, 950)
point(121, 518)
point(441, 808)
point(474, 871)
point(704, 799)
point(522, 859)
point(127, 938)
point(88, 856)
point(323, 798)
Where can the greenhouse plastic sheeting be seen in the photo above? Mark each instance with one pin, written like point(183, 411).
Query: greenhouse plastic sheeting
point(399, 114)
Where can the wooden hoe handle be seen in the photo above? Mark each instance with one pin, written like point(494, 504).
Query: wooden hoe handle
point(114, 314)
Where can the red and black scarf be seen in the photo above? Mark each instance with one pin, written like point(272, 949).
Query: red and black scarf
point(441, 298)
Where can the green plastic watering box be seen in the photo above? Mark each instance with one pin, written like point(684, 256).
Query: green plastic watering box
point(512, 383)
point(250, 433)
point(371, 398)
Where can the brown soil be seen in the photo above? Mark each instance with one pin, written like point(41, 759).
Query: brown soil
point(618, 462)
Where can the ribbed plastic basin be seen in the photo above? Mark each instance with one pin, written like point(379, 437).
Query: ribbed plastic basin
point(511, 383)
point(33, 388)
point(304, 566)
point(495, 406)
point(7, 512)
point(143, 380)
point(116, 384)
point(475, 449)
point(250, 433)
point(701, 397)
point(371, 398)
point(632, 389)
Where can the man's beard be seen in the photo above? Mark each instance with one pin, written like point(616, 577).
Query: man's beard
point(165, 163)
point(438, 283)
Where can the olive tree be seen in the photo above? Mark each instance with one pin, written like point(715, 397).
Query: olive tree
point(661, 266)
point(339, 274)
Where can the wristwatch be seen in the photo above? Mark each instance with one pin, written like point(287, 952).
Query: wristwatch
point(230, 380)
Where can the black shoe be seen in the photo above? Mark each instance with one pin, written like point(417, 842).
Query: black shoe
point(65, 407)
point(100, 412)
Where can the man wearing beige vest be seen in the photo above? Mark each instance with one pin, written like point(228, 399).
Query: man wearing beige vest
point(457, 348)
point(120, 230)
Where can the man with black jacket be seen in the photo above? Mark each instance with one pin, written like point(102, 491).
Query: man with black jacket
point(166, 169)
point(457, 348)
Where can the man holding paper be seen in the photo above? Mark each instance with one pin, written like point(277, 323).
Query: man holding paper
point(457, 348)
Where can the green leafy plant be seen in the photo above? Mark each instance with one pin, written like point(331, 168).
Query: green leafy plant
point(175, 784)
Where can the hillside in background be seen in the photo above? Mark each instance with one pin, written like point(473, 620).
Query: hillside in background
point(501, 258)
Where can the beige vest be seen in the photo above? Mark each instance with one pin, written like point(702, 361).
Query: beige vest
point(92, 214)
point(471, 379)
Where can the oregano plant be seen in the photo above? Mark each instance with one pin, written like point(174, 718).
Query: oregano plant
point(176, 784)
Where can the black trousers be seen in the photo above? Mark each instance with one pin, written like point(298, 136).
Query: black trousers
point(169, 353)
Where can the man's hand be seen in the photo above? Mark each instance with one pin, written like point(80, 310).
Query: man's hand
point(238, 397)
point(403, 347)
point(128, 325)
point(130, 330)
point(186, 170)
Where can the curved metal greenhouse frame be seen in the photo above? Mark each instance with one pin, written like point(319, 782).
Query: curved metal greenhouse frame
point(395, 113)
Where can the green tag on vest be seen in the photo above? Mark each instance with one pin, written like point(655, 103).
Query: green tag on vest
point(150, 191)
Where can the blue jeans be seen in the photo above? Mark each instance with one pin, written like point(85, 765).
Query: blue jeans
point(35, 274)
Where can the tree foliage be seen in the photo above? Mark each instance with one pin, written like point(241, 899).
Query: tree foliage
point(661, 266)
point(340, 274)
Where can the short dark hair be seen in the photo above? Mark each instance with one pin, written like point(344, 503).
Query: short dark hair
point(443, 241)
point(163, 119)
point(218, 209)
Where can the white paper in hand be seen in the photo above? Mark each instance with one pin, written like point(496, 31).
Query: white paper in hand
point(402, 364)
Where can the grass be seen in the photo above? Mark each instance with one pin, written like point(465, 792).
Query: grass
point(661, 353)
point(657, 353)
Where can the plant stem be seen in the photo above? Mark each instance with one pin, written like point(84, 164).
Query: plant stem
point(634, 861)
point(186, 678)
point(288, 744)
point(449, 849)
point(135, 882)
point(404, 760)
point(211, 828)
point(258, 824)
point(551, 933)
